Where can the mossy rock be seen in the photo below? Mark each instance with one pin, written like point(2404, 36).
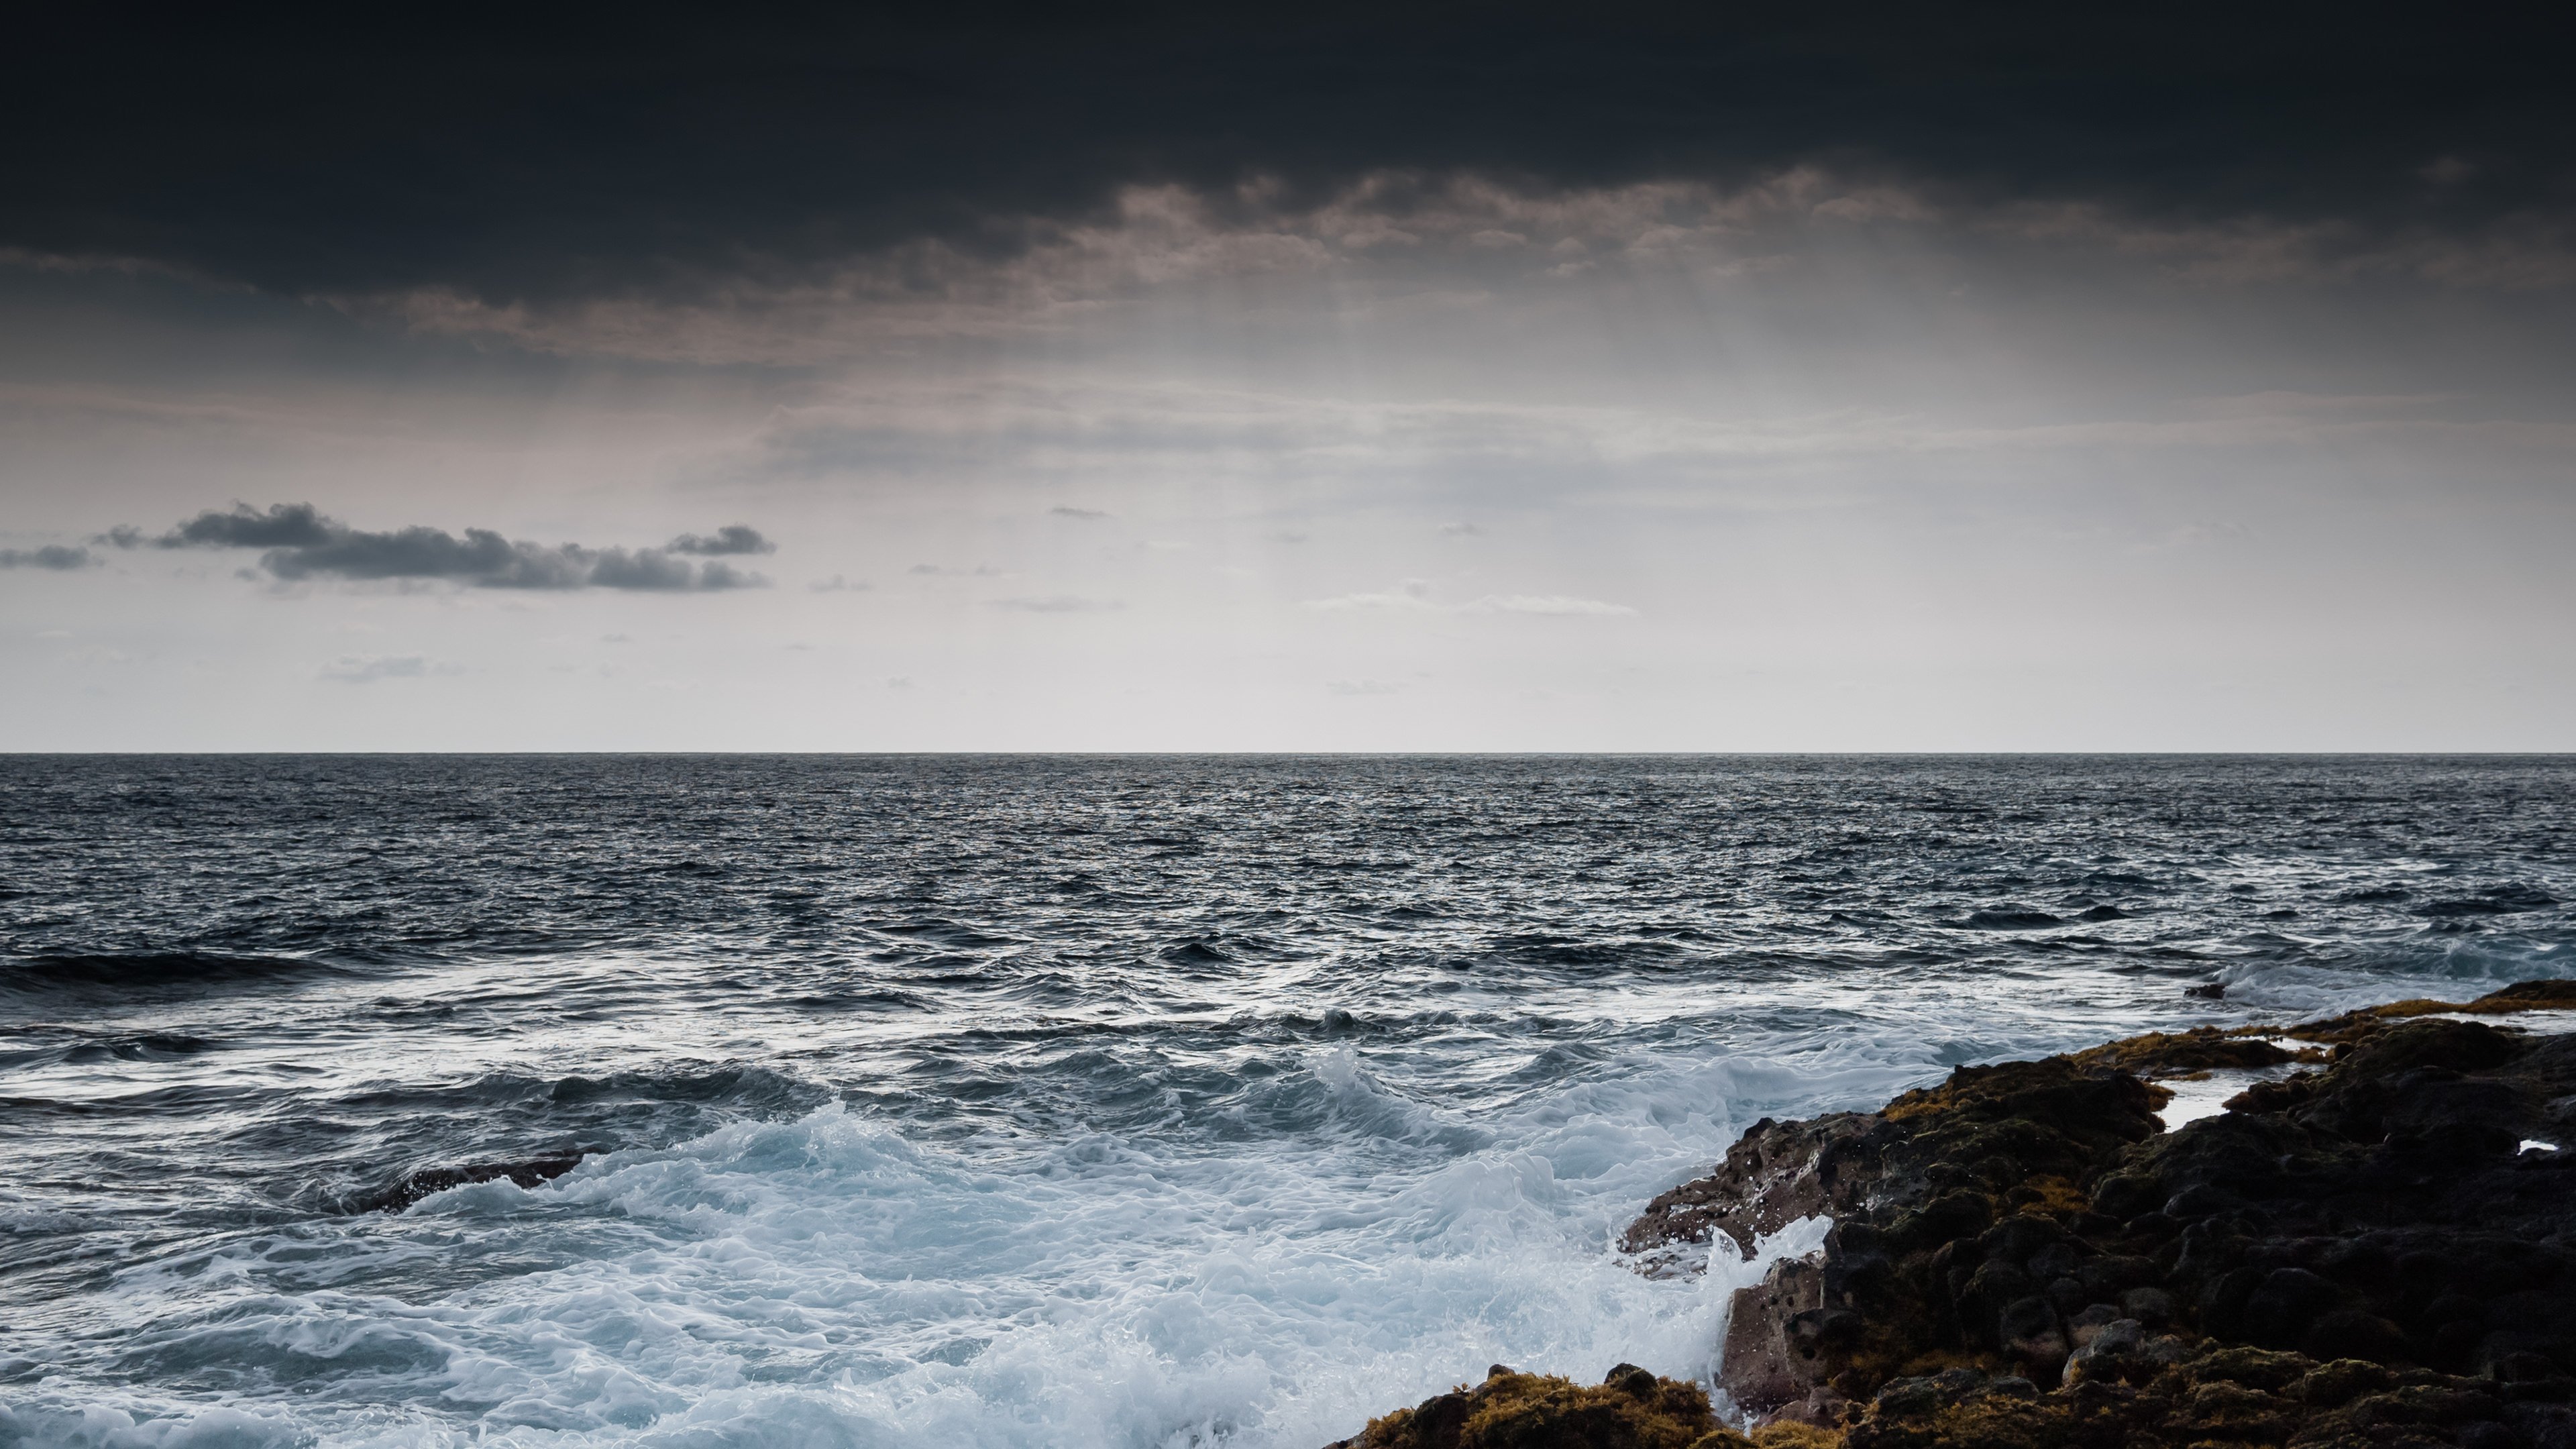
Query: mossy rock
point(1631, 1409)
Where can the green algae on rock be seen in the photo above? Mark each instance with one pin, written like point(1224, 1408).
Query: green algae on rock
point(1630, 1409)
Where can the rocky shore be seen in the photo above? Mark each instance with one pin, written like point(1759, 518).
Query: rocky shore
point(2373, 1244)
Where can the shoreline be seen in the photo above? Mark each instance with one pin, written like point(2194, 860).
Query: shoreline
point(2370, 1241)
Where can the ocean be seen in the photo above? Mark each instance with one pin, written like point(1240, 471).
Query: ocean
point(1116, 1101)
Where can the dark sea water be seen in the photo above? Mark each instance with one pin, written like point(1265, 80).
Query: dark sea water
point(1084, 1102)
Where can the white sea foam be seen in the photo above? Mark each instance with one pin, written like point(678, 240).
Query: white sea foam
point(829, 1281)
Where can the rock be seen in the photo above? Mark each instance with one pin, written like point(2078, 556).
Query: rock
point(2341, 1225)
point(2354, 1257)
point(420, 1183)
point(1633, 1409)
point(1769, 1365)
point(2116, 1353)
point(1774, 1175)
point(2151, 1306)
point(2222, 1396)
point(2333, 1385)
point(2087, 1325)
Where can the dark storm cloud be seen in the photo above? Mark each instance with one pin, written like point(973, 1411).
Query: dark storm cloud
point(303, 544)
point(51, 556)
point(512, 156)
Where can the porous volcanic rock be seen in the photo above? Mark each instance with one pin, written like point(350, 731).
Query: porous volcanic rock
point(1630, 1409)
point(2374, 1251)
point(2031, 1224)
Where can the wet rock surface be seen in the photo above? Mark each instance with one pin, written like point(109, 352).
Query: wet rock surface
point(526, 1172)
point(2030, 1224)
point(2378, 1248)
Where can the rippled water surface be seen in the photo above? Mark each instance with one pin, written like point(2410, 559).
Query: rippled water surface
point(1077, 1102)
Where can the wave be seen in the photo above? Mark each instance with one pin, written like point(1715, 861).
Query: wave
point(155, 972)
point(2012, 919)
point(827, 1278)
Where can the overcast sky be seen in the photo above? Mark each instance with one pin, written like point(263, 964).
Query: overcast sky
point(1453, 379)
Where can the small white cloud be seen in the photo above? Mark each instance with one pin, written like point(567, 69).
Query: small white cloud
point(349, 669)
point(1411, 595)
point(1462, 529)
point(1058, 604)
point(900, 681)
point(1362, 687)
point(1414, 595)
point(2203, 531)
point(942, 571)
point(839, 584)
point(1558, 605)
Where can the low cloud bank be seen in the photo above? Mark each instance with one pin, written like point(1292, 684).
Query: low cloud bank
point(51, 556)
point(303, 543)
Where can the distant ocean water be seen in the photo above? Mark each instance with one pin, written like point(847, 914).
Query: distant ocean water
point(1051, 1101)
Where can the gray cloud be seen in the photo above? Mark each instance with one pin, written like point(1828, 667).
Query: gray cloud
point(1414, 596)
point(1058, 604)
point(51, 556)
point(732, 538)
point(1086, 514)
point(284, 525)
point(302, 543)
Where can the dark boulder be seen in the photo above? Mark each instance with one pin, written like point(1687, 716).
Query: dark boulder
point(421, 1182)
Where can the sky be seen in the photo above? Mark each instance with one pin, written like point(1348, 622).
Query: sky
point(1350, 378)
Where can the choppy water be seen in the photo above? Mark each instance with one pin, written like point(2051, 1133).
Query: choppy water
point(1057, 1101)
